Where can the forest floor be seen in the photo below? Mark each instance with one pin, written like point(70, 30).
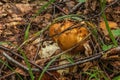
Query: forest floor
point(30, 50)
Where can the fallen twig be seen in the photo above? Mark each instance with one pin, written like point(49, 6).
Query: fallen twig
point(80, 61)
point(75, 7)
point(39, 68)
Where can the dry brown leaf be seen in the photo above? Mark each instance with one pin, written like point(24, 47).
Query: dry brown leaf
point(63, 78)
point(41, 62)
point(24, 8)
point(48, 50)
point(116, 64)
point(86, 66)
point(30, 51)
point(48, 77)
point(21, 71)
point(112, 25)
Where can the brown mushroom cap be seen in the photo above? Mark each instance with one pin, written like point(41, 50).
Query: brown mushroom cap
point(68, 38)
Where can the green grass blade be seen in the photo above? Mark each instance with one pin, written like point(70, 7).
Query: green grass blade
point(46, 67)
point(116, 32)
point(39, 12)
point(109, 30)
point(28, 64)
point(103, 5)
point(1, 61)
point(70, 59)
point(25, 58)
point(106, 47)
point(71, 16)
point(117, 77)
point(27, 32)
point(43, 7)
point(81, 1)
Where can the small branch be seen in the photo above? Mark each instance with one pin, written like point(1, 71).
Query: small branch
point(96, 56)
point(75, 7)
point(60, 9)
point(90, 58)
point(14, 61)
point(3, 77)
point(39, 68)
point(105, 9)
point(80, 61)
point(24, 67)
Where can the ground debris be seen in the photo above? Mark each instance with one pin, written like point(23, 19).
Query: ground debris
point(98, 56)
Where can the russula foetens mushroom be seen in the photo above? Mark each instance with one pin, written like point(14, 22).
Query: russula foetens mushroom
point(68, 38)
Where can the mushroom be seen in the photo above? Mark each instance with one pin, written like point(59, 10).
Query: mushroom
point(66, 36)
